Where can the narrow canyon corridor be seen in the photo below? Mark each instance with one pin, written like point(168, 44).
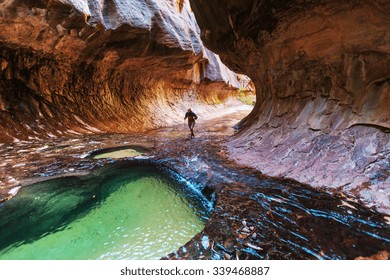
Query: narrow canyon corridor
point(291, 154)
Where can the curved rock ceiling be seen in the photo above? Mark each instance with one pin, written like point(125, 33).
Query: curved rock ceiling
point(321, 71)
point(102, 66)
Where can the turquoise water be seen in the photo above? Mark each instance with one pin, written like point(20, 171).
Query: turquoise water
point(125, 213)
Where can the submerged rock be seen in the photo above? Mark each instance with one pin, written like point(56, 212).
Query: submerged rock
point(286, 219)
point(74, 67)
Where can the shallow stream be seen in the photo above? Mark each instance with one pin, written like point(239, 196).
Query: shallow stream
point(255, 216)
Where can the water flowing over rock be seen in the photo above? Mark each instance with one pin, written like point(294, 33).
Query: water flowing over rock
point(321, 71)
point(80, 78)
point(76, 66)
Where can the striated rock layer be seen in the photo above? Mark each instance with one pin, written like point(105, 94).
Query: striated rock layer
point(322, 76)
point(77, 66)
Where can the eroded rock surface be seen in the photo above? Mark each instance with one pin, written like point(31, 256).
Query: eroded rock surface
point(76, 66)
point(321, 70)
point(254, 217)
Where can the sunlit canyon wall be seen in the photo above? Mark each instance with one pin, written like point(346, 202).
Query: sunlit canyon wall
point(72, 67)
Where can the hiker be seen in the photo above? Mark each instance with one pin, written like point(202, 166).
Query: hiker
point(191, 121)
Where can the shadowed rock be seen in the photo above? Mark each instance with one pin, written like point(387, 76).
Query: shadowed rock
point(321, 71)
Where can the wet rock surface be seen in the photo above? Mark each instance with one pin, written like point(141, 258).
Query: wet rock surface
point(321, 71)
point(69, 67)
point(74, 74)
point(255, 216)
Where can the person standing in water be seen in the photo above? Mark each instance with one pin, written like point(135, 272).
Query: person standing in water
point(191, 121)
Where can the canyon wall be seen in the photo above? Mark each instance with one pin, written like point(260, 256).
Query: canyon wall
point(76, 66)
point(322, 76)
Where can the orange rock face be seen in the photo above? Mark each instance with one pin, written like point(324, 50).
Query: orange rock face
point(69, 67)
point(321, 70)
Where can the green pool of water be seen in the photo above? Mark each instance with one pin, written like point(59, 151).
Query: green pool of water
point(125, 213)
point(119, 154)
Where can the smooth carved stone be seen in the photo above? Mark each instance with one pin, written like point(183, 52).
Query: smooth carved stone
point(72, 67)
point(321, 71)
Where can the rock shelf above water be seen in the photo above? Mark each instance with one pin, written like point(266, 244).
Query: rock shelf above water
point(75, 73)
point(321, 71)
point(255, 216)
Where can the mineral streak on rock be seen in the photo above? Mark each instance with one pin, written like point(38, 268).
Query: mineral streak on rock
point(76, 66)
point(322, 76)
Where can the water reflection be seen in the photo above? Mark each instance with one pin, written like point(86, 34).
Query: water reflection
point(115, 213)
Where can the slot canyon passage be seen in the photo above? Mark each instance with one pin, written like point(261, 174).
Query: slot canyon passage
point(93, 87)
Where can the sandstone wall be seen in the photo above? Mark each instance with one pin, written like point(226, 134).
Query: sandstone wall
point(321, 70)
point(76, 66)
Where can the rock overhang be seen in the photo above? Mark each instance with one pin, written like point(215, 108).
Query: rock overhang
point(321, 74)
